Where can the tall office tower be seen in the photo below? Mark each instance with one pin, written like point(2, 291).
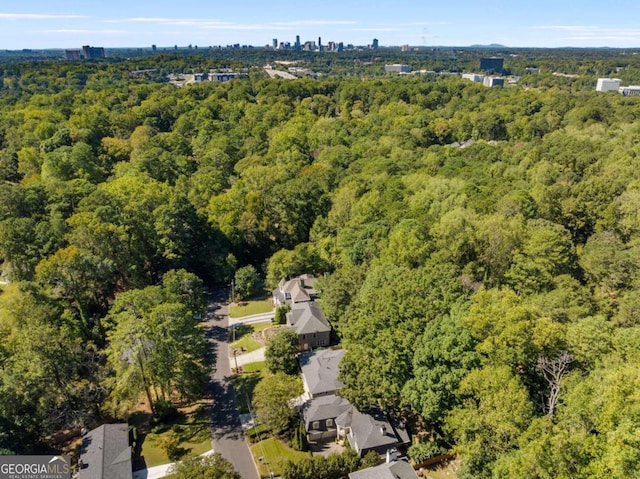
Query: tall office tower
point(154, 48)
point(298, 46)
point(319, 44)
point(492, 64)
point(374, 45)
point(275, 43)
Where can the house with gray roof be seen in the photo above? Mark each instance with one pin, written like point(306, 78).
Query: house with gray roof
point(319, 416)
point(388, 470)
point(311, 325)
point(300, 289)
point(105, 453)
point(371, 431)
point(320, 372)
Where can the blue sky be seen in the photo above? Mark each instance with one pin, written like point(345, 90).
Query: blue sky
point(134, 23)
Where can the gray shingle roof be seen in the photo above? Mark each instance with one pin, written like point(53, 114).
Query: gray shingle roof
point(370, 430)
point(322, 408)
point(308, 318)
point(389, 470)
point(105, 453)
point(320, 370)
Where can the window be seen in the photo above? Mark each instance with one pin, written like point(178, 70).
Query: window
point(321, 342)
point(315, 425)
point(303, 336)
point(329, 422)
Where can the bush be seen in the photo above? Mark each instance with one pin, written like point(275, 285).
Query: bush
point(170, 444)
point(166, 411)
point(425, 450)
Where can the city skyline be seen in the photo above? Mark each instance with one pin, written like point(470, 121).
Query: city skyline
point(72, 23)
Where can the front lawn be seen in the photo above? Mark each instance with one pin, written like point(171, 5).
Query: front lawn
point(273, 452)
point(244, 336)
point(244, 384)
point(248, 308)
point(258, 367)
point(192, 429)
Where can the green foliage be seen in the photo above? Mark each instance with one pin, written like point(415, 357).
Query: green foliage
point(281, 351)
point(422, 451)
point(246, 282)
point(437, 265)
point(270, 401)
point(280, 316)
point(334, 466)
point(212, 466)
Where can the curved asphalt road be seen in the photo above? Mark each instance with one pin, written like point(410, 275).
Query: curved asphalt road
point(226, 433)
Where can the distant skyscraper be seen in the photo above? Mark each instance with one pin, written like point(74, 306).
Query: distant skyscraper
point(319, 44)
point(92, 52)
point(298, 46)
point(275, 43)
point(374, 45)
point(73, 54)
point(492, 64)
point(153, 48)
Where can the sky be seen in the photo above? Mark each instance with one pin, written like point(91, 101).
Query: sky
point(40, 24)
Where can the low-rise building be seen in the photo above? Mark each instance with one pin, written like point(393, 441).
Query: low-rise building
point(608, 84)
point(493, 81)
point(105, 453)
point(371, 431)
point(319, 370)
point(388, 470)
point(319, 416)
point(632, 90)
point(311, 325)
point(397, 68)
point(300, 289)
point(474, 77)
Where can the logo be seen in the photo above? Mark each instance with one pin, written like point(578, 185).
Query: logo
point(35, 467)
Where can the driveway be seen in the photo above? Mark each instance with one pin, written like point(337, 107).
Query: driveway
point(226, 431)
point(252, 357)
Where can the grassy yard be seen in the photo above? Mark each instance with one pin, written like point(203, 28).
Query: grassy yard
point(444, 471)
point(244, 384)
point(248, 308)
point(254, 367)
point(243, 334)
point(192, 429)
point(274, 452)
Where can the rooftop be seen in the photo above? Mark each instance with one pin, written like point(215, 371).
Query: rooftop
point(320, 370)
point(105, 453)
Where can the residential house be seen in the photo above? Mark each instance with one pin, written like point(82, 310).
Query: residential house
point(105, 453)
point(320, 372)
point(319, 416)
point(296, 290)
point(388, 470)
point(372, 431)
point(310, 324)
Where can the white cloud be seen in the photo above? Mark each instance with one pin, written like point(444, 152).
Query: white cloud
point(83, 31)
point(377, 29)
point(36, 16)
point(302, 23)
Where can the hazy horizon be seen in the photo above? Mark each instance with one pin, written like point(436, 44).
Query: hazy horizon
point(120, 24)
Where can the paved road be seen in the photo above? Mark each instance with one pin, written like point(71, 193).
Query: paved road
point(226, 432)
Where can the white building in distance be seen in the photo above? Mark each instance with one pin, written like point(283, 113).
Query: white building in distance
point(474, 77)
point(632, 90)
point(608, 84)
point(397, 68)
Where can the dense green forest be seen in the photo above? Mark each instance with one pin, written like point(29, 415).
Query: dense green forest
point(488, 293)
